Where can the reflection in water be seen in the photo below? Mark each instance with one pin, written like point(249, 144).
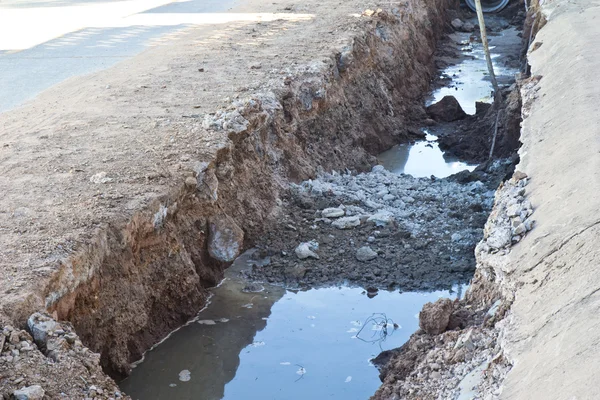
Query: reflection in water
point(277, 344)
point(421, 159)
point(470, 77)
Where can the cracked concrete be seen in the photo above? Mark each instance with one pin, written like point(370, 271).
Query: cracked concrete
point(553, 333)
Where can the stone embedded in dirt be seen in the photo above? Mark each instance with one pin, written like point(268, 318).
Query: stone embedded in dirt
point(295, 272)
point(40, 326)
point(368, 12)
point(468, 27)
point(307, 250)
point(434, 317)
point(100, 177)
point(448, 109)
point(34, 392)
point(499, 238)
point(457, 24)
point(381, 218)
point(518, 175)
point(365, 254)
point(347, 222)
point(332, 213)
point(208, 184)
point(225, 239)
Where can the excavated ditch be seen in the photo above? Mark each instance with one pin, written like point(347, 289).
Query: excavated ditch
point(341, 273)
point(140, 279)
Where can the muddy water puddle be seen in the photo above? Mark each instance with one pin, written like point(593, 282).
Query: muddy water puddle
point(421, 159)
point(470, 78)
point(469, 83)
point(279, 344)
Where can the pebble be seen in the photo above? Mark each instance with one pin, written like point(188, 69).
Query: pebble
point(365, 254)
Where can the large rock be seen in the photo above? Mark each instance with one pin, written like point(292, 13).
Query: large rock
point(447, 109)
point(40, 326)
point(34, 392)
point(434, 317)
point(225, 239)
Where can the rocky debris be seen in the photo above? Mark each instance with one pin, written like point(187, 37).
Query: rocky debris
point(422, 230)
point(225, 239)
point(448, 109)
point(457, 23)
point(307, 250)
point(467, 360)
point(365, 254)
point(347, 222)
point(100, 177)
point(39, 326)
point(440, 366)
point(50, 362)
point(434, 317)
point(333, 213)
point(511, 219)
point(34, 392)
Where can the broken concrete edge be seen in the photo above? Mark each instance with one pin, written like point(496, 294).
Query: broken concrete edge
point(102, 287)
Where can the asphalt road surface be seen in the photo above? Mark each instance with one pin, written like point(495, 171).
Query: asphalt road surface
point(42, 43)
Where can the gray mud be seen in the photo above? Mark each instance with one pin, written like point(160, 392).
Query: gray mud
point(400, 231)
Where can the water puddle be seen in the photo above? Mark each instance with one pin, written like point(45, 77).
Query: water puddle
point(470, 83)
point(421, 159)
point(470, 77)
point(279, 344)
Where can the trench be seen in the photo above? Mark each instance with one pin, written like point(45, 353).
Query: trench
point(149, 274)
point(277, 327)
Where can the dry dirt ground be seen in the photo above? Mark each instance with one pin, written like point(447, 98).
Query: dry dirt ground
point(108, 182)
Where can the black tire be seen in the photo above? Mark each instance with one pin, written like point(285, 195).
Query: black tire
point(488, 6)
